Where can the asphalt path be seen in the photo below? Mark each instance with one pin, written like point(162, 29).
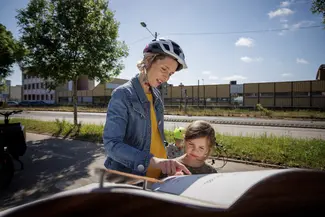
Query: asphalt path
point(53, 165)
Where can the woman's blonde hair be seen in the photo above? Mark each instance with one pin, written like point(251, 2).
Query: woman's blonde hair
point(148, 60)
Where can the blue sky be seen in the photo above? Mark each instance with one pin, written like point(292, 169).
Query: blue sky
point(217, 58)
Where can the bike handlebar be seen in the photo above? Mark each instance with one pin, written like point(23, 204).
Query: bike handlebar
point(10, 113)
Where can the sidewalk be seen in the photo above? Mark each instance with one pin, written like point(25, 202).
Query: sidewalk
point(53, 165)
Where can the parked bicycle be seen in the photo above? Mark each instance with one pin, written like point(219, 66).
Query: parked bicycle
point(12, 146)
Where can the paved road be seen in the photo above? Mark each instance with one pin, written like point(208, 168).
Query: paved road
point(99, 118)
point(53, 165)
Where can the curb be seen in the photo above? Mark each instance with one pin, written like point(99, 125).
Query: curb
point(250, 123)
point(254, 163)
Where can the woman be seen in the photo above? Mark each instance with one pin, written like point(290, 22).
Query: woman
point(134, 129)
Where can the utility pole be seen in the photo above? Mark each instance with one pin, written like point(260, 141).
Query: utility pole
point(185, 93)
point(204, 102)
point(180, 103)
point(198, 93)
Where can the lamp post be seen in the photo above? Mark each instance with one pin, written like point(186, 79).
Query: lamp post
point(144, 25)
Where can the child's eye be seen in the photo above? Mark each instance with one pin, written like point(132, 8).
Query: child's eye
point(201, 148)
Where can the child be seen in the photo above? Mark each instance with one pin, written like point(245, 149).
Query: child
point(176, 150)
point(199, 142)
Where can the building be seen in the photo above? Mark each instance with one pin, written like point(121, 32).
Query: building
point(35, 88)
point(321, 72)
point(15, 93)
point(293, 94)
point(99, 95)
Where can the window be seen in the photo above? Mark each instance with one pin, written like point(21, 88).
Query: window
point(300, 94)
point(33, 86)
point(223, 99)
point(42, 97)
point(25, 97)
point(42, 85)
point(29, 97)
point(51, 96)
point(25, 86)
point(250, 94)
point(266, 94)
point(46, 97)
point(33, 97)
point(318, 93)
point(283, 94)
point(29, 86)
point(37, 97)
point(37, 86)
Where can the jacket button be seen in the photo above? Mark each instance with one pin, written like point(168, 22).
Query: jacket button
point(140, 168)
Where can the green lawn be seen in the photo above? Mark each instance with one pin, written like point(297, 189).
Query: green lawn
point(286, 151)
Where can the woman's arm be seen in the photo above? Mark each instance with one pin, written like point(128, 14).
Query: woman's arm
point(114, 132)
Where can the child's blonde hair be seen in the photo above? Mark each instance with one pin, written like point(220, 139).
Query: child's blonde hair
point(199, 129)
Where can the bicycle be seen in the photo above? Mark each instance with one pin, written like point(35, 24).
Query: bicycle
point(12, 146)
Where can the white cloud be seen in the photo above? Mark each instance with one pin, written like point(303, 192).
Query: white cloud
point(301, 61)
point(283, 20)
point(245, 42)
point(300, 24)
point(286, 75)
point(212, 77)
point(250, 59)
point(285, 4)
point(234, 77)
point(206, 72)
point(281, 12)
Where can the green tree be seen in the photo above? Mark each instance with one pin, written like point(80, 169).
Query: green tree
point(67, 39)
point(318, 7)
point(11, 52)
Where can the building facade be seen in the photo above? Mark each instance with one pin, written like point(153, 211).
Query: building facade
point(35, 88)
point(99, 95)
point(15, 93)
point(292, 94)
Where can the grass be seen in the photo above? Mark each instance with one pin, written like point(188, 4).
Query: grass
point(286, 151)
point(277, 114)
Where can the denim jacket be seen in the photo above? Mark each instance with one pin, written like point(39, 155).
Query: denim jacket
point(127, 131)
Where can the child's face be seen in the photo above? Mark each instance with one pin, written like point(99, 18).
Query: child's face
point(197, 148)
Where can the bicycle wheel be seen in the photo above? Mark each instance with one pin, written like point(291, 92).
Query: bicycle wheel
point(6, 170)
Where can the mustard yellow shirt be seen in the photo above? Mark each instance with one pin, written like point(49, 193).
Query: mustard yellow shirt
point(157, 148)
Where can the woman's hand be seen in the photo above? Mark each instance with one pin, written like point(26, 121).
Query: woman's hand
point(168, 166)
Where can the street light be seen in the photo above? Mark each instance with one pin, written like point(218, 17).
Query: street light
point(144, 25)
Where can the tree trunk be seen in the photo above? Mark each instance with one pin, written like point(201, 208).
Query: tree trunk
point(75, 101)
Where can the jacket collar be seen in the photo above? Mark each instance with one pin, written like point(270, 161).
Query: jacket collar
point(140, 92)
point(138, 89)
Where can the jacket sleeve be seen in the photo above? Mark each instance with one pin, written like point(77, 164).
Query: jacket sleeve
point(114, 132)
